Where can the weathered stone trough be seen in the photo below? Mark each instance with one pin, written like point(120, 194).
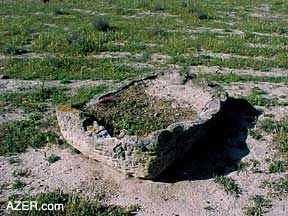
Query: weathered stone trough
point(148, 154)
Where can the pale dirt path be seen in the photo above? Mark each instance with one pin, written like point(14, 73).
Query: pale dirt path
point(16, 85)
point(275, 72)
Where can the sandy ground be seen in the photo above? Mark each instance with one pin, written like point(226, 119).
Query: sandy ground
point(76, 173)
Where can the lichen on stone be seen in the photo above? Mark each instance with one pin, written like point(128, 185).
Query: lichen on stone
point(66, 108)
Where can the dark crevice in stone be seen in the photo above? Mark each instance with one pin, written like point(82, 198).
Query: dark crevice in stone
point(88, 121)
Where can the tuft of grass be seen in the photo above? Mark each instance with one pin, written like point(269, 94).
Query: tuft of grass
point(227, 184)
point(256, 134)
point(64, 81)
point(279, 187)
point(209, 208)
point(255, 97)
point(255, 166)
point(17, 184)
point(279, 130)
point(242, 166)
point(72, 205)
point(156, 31)
point(11, 49)
point(101, 24)
point(124, 11)
point(229, 78)
point(260, 206)
point(158, 6)
point(280, 138)
point(258, 91)
point(269, 125)
point(277, 166)
point(53, 158)
point(198, 9)
point(60, 11)
point(73, 150)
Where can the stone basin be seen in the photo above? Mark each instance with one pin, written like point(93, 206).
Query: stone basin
point(144, 153)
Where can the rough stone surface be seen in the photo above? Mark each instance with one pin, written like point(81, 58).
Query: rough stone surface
point(146, 157)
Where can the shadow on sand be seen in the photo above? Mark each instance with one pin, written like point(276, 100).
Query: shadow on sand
point(221, 151)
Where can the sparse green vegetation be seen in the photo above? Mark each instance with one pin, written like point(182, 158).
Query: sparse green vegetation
point(242, 166)
point(71, 68)
point(198, 9)
point(255, 166)
point(53, 158)
point(36, 132)
point(64, 81)
point(32, 101)
point(260, 206)
point(158, 6)
point(67, 48)
point(229, 78)
point(227, 184)
point(17, 136)
point(281, 139)
point(277, 166)
point(40, 98)
point(72, 205)
point(17, 184)
point(101, 24)
point(137, 113)
point(209, 208)
point(60, 11)
point(256, 134)
point(83, 95)
point(255, 97)
point(279, 187)
point(11, 49)
point(279, 129)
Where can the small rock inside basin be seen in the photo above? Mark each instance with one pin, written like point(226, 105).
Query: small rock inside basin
point(144, 125)
point(137, 113)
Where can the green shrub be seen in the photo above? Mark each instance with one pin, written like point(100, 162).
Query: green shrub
point(158, 6)
point(260, 206)
point(17, 184)
point(228, 184)
point(13, 50)
point(53, 158)
point(101, 24)
point(60, 11)
point(277, 166)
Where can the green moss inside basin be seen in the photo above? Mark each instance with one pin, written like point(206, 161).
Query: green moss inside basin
point(137, 113)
